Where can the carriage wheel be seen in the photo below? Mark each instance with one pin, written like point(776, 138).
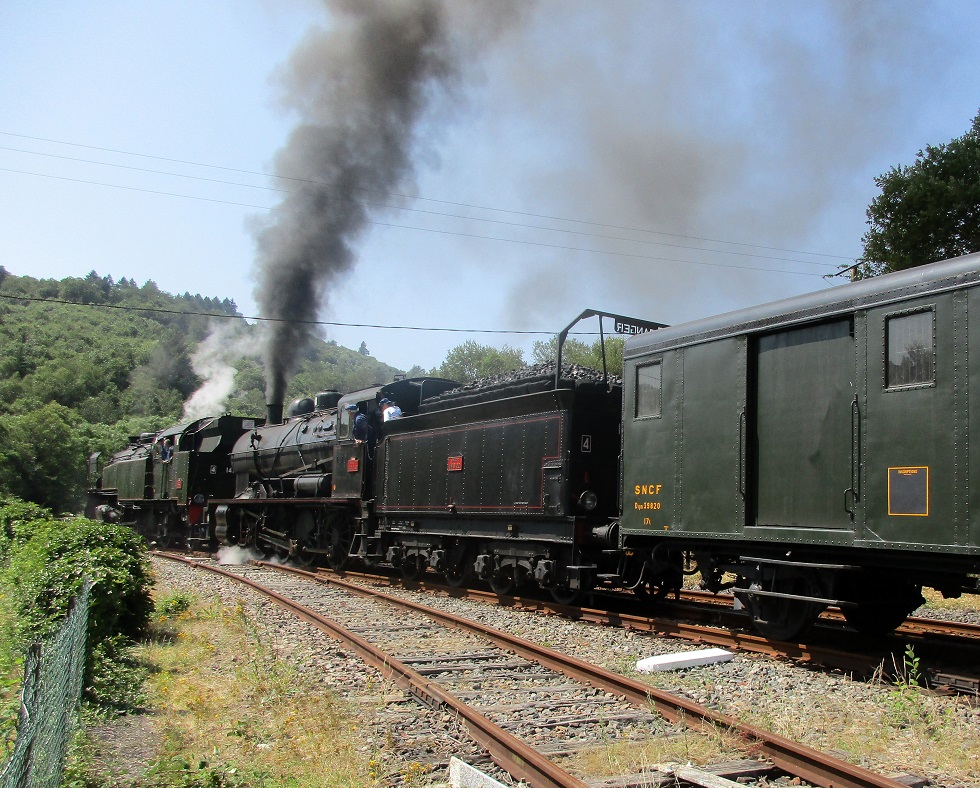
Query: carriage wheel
point(784, 619)
point(882, 608)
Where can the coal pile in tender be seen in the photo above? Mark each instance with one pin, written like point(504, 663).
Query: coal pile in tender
point(526, 380)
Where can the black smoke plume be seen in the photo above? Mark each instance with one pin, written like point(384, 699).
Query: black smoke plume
point(361, 90)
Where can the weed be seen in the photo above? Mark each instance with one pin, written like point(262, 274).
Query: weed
point(415, 773)
point(911, 673)
point(174, 604)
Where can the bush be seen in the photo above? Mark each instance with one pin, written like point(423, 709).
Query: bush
point(48, 562)
point(115, 681)
point(47, 570)
point(17, 519)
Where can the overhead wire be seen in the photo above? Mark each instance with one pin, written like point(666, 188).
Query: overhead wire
point(405, 208)
point(437, 231)
point(429, 199)
point(257, 318)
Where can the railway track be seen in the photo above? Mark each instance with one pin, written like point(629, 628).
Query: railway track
point(947, 652)
point(527, 705)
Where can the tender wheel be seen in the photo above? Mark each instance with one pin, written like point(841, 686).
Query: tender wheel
point(413, 567)
point(161, 535)
point(458, 574)
point(502, 582)
point(564, 595)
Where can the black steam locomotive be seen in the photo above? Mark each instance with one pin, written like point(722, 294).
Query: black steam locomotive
point(810, 452)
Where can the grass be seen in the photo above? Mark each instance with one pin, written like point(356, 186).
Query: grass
point(225, 712)
point(675, 745)
point(11, 672)
point(896, 728)
point(935, 601)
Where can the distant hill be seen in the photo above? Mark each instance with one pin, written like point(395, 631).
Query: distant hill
point(94, 360)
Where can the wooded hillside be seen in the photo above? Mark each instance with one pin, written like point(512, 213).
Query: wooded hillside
point(87, 362)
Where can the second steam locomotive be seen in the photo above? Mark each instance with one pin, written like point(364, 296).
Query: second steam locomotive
point(811, 452)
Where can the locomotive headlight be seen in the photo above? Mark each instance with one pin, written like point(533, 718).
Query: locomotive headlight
point(588, 501)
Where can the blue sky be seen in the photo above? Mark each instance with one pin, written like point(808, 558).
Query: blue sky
point(668, 160)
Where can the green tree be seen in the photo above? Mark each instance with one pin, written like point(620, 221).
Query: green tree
point(42, 457)
point(927, 211)
point(472, 360)
point(575, 351)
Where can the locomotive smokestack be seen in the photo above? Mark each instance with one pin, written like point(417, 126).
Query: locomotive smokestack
point(360, 89)
point(273, 413)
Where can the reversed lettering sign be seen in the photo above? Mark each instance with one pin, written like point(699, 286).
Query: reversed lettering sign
point(454, 463)
point(908, 492)
point(622, 327)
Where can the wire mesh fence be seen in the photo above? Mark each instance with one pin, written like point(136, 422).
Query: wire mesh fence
point(53, 673)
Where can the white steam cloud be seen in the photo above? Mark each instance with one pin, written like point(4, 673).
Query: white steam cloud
point(213, 361)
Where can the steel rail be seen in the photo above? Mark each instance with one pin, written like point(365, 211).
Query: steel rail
point(952, 638)
point(793, 757)
point(807, 653)
point(510, 753)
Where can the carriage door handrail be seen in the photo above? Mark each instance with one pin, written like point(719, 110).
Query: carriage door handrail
point(855, 488)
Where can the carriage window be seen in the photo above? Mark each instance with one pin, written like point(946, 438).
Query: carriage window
point(910, 350)
point(648, 389)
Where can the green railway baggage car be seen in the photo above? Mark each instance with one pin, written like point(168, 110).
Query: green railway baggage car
point(818, 450)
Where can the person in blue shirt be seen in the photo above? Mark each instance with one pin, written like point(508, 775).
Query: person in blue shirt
point(359, 424)
point(389, 410)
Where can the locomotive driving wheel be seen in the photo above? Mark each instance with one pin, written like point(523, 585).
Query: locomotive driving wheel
point(339, 535)
point(307, 540)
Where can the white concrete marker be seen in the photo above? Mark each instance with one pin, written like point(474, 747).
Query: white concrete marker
point(462, 775)
point(688, 659)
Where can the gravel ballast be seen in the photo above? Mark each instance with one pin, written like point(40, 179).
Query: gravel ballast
point(889, 729)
